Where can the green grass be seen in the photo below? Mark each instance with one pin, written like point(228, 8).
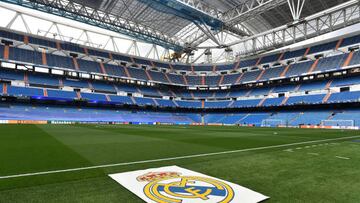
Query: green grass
point(309, 174)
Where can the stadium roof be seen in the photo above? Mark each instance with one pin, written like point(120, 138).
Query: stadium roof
point(180, 26)
point(205, 24)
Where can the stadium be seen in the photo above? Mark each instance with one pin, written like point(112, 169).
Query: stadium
point(169, 101)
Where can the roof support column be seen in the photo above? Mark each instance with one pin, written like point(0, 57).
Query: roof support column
point(296, 7)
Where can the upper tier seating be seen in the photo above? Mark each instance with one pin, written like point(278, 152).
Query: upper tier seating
point(248, 63)
point(193, 80)
point(161, 65)
point(98, 53)
point(271, 58)
point(89, 66)
point(250, 76)
point(182, 67)
point(70, 47)
point(355, 59)
point(121, 58)
point(230, 79)
point(350, 41)
point(25, 55)
point(46, 80)
point(212, 80)
point(176, 79)
point(56, 58)
point(60, 61)
point(203, 68)
point(158, 76)
point(142, 61)
point(323, 47)
point(294, 54)
point(115, 70)
point(272, 73)
point(299, 68)
point(225, 67)
point(138, 73)
point(331, 63)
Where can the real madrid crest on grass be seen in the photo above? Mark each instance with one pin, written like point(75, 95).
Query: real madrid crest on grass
point(177, 185)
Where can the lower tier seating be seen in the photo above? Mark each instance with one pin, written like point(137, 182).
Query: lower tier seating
point(346, 118)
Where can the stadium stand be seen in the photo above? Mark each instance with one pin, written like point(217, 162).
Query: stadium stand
point(40, 85)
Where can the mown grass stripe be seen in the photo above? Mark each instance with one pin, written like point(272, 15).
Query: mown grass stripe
point(173, 158)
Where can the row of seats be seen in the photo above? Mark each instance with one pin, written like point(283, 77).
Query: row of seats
point(40, 112)
point(36, 57)
point(324, 64)
point(39, 93)
point(51, 81)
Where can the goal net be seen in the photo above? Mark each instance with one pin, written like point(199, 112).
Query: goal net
point(273, 123)
point(342, 123)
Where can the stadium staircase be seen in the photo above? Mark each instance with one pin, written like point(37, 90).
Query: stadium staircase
point(45, 92)
point(313, 66)
point(284, 101)
point(108, 98)
point(103, 71)
point(285, 71)
point(348, 59)
point(76, 64)
point(326, 98)
point(148, 75)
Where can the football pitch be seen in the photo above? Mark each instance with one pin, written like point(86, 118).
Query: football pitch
point(71, 163)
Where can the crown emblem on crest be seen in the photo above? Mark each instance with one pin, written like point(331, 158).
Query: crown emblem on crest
point(153, 176)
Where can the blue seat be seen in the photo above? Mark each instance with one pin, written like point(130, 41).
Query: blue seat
point(141, 101)
point(138, 73)
point(120, 99)
point(41, 79)
point(89, 66)
point(23, 91)
point(59, 94)
point(92, 97)
point(189, 104)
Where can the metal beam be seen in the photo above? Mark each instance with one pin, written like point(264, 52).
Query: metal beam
point(84, 14)
point(234, 18)
point(324, 22)
point(296, 7)
point(249, 9)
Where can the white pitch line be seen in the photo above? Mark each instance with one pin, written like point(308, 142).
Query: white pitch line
point(341, 157)
point(171, 158)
